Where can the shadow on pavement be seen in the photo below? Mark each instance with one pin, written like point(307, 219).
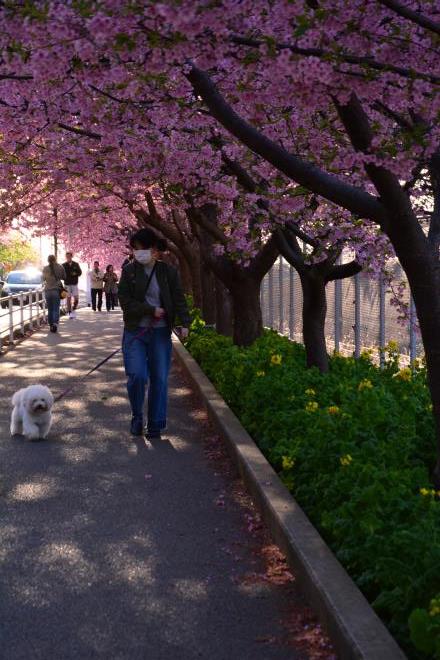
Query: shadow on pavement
point(113, 546)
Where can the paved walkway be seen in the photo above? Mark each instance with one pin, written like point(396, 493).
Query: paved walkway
point(115, 548)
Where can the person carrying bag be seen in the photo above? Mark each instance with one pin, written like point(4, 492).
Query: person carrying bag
point(53, 291)
point(110, 288)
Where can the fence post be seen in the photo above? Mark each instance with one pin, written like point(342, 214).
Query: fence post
point(31, 310)
point(270, 298)
point(21, 313)
point(357, 315)
point(292, 302)
point(338, 314)
point(412, 331)
point(382, 320)
point(11, 320)
point(281, 294)
point(37, 302)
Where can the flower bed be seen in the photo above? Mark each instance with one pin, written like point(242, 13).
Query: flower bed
point(355, 447)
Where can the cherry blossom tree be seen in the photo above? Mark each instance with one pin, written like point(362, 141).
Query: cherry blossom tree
point(340, 99)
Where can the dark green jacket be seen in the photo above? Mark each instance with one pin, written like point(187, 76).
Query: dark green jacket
point(132, 289)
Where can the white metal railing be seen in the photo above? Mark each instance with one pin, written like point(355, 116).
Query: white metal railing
point(15, 318)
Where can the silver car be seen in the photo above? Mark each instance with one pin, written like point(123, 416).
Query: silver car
point(21, 281)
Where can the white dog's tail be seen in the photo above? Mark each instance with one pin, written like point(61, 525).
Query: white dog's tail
point(16, 398)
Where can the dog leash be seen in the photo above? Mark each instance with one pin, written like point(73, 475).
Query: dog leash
point(109, 357)
point(106, 359)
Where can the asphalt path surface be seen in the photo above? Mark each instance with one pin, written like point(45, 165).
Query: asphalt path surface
point(113, 547)
point(28, 313)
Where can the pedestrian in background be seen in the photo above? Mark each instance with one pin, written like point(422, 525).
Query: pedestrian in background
point(110, 287)
point(96, 286)
point(52, 276)
point(73, 272)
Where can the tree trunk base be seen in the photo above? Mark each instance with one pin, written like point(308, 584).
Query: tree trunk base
point(436, 475)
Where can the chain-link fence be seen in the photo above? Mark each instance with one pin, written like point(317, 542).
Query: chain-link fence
point(359, 313)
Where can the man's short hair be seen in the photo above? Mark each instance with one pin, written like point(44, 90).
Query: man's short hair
point(69, 252)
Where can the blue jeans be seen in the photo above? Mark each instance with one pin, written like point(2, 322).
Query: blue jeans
point(148, 358)
point(53, 305)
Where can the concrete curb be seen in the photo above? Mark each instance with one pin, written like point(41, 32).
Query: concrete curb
point(353, 626)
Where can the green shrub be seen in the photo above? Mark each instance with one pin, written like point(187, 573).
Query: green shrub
point(425, 628)
point(355, 447)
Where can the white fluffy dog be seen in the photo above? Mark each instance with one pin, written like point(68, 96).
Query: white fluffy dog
point(31, 415)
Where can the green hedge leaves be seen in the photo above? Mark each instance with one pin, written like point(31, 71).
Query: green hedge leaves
point(355, 447)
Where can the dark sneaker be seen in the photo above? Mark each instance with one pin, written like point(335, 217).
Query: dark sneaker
point(137, 426)
point(153, 435)
point(53, 327)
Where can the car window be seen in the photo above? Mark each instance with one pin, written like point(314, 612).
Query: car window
point(24, 278)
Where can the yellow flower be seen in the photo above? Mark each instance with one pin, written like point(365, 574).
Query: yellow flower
point(365, 385)
point(311, 406)
point(288, 463)
point(434, 607)
point(367, 353)
point(429, 491)
point(392, 346)
point(276, 359)
point(333, 410)
point(429, 407)
point(345, 460)
point(404, 374)
point(261, 373)
point(310, 392)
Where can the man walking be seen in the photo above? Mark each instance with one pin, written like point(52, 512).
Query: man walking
point(73, 272)
point(96, 286)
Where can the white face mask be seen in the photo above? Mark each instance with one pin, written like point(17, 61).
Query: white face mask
point(143, 256)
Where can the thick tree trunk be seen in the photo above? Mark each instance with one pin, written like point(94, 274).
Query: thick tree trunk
point(194, 268)
point(314, 313)
point(419, 264)
point(248, 321)
point(208, 297)
point(243, 282)
point(416, 253)
point(185, 274)
point(224, 318)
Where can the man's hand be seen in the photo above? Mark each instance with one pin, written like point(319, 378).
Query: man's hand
point(159, 312)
